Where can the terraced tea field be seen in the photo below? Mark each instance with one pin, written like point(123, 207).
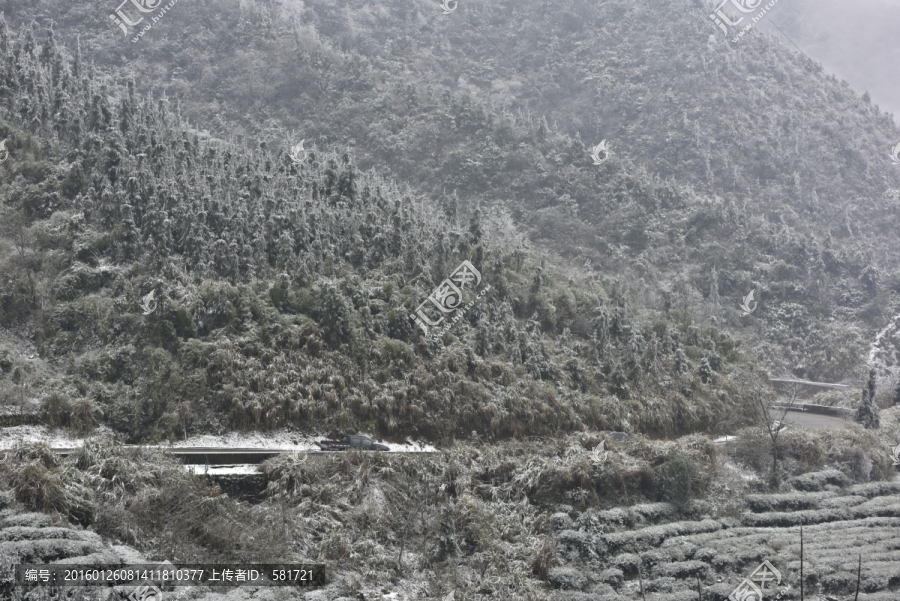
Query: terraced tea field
point(606, 554)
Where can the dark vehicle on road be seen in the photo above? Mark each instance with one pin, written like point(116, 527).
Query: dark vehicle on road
point(362, 443)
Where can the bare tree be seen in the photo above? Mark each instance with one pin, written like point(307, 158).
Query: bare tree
point(25, 261)
point(769, 411)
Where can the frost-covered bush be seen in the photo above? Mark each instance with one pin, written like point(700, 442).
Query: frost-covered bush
point(673, 480)
point(653, 513)
point(560, 521)
point(567, 578)
point(752, 449)
point(37, 480)
point(141, 497)
point(845, 501)
point(681, 569)
point(786, 502)
point(875, 489)
point(576, 543)
point(668, 554)
point(611, 576)
point(629, 563)
point(618, 516)
point(795, 518)
point(598, 593)
point(33, 520)
point(653, 536)
point(18, 533)
point(336, 546)
point(544, 559)
point(816, 481)
point(877, 507)
point(856, 452)
point(46, 550)
point(841, 583)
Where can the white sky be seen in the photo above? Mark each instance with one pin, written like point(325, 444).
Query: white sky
point(857, 40)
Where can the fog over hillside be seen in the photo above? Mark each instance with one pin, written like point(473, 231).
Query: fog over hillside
point(514, 300)
point(858, 41)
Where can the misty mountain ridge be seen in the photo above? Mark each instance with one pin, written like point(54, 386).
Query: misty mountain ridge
point(709, 222)
point(606, 217)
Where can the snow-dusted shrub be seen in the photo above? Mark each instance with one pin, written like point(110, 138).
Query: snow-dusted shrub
point(674, 478)
point(33, 520)
point(654, 536)
point(45, 550)
point(877, 507)
point(723, 563)
point(618, 516)
point(859, 465)
point(816, 481)
point(574, 542)
point(627, 562)
point(681, 569)
point(795, 518)
point(560, 521)
point(567, 578)
point(663, 584)
point(786, 502)
point(839, 502)
point(599, 594)
point(336, 546)
point(668, 554)
point(17, 533)
point(705, 554)
point(752, 449)
point(544, 559)
point(611, 576)
point(855, 452)
point(38, 480)
point(875, 489)
point(654, 513)
point(839, 583)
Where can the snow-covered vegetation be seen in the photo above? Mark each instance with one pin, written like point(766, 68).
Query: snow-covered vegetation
point(176, 271)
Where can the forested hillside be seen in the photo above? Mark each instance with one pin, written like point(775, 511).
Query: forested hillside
point(740, 163)
point(285, 290)
point(175, 262)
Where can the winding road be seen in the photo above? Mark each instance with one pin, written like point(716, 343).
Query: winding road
point(814, 421)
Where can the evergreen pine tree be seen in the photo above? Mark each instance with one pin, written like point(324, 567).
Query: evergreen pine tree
point(867, 413)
